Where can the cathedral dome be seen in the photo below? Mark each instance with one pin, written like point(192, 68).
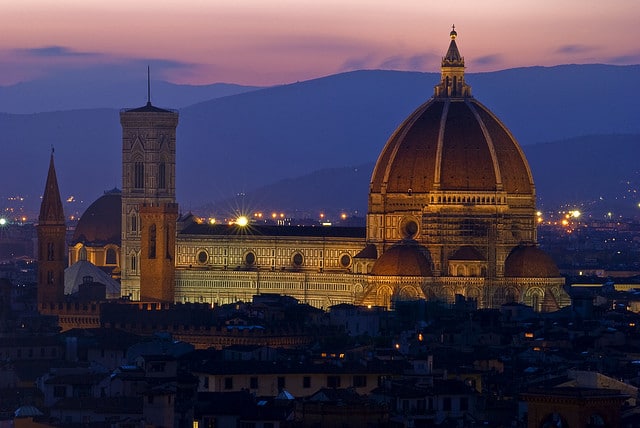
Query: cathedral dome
point(528, 261)
point(404, 259)
point(452, 143)
point(101, 223)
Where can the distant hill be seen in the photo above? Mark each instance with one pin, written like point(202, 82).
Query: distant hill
point(49, 95)
point(237, 143)
point(595, 174)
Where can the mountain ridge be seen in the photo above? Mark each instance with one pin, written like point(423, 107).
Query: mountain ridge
point(237, 143)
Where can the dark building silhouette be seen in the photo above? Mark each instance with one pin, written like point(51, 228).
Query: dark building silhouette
point(51, 231)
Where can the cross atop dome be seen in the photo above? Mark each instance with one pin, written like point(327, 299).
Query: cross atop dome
point(452, 84)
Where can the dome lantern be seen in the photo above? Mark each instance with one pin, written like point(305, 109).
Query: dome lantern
point(452, 84)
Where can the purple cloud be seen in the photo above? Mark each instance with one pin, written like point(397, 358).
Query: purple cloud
point(633, 58)
point(575, 49)
point(358, 63)
point(492, 59)
point(418, 62)
point(53, 51)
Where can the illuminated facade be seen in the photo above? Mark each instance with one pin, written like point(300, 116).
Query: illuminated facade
point(451, 212)
point(452, 207)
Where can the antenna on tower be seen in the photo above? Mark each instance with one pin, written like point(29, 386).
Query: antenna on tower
point(148, 86)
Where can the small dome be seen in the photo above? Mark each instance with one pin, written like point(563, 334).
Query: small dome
point(404, 259)
point(27, 412)
point(528, 261)
point(467, 253)
point(101, 223)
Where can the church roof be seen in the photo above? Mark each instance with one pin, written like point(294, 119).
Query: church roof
point(101, 223)
point(529, 261)
point(404, 259)
point(267, 230)
point(452, 143)
point(51, 211)
point(148, 108)
point(75, 274)
point(368, 252)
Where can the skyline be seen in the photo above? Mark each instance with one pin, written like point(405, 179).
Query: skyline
point(254, 43)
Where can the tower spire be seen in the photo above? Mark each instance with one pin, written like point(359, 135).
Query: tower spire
point(452, 84)
point(148, 85)
point(51, 211)
point(51, 230)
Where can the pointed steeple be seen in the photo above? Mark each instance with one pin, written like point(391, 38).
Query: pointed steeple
point(452, 84)
point(453, 57)
point(51, 211)
point(52, 250)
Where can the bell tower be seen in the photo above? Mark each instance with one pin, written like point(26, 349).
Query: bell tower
point(148, 177)
point(157, 251)
point(51, 231)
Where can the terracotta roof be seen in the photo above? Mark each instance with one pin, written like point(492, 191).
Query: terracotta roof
point(529, 261)
point(263, 230)
point(368, 252)
point(452, 145)
point(404, 259)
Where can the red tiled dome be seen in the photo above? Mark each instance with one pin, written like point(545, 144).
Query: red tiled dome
point(452, 144)
point(405, 259)
point(528, 261)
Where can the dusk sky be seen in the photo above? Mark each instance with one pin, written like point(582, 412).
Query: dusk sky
point(264, 42)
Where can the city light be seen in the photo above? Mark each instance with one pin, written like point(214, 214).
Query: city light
point(212, 220)
point(3, 221)
point(242, 221)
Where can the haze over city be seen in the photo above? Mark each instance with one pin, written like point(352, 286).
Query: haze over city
point(278, 42)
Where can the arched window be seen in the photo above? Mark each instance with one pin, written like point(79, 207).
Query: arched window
point(152, 241)
point(133, 263)
point(138, 175)
point(162, 177)
point(134, 223)
point(50, 251)
point(110, 257)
